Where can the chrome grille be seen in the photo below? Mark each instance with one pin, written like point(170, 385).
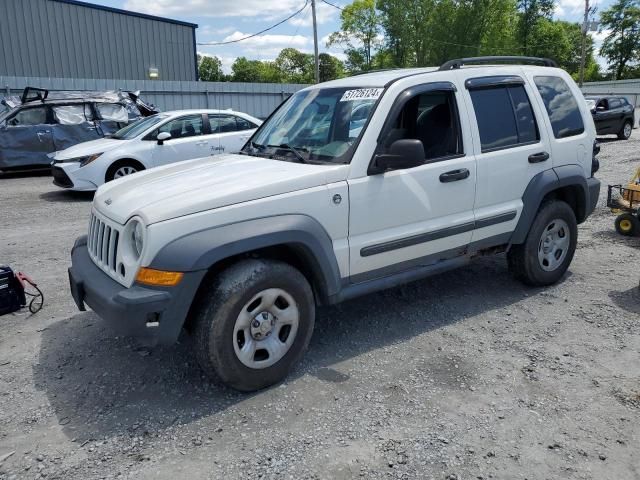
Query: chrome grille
point(102, 242)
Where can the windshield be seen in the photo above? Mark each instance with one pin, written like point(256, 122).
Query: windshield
point(136, 128)
point(316, 126)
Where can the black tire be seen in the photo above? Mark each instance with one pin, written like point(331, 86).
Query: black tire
point(523, 259)
point(115, 166)
point(625, 131)
point(627, 225)
point(220, 304)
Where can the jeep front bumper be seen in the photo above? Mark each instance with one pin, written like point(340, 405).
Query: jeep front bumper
point(155, 315)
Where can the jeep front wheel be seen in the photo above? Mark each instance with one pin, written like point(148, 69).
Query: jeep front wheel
point(253, 323)
point(549, 247)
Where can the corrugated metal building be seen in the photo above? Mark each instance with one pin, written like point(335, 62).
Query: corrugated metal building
point(74, 39)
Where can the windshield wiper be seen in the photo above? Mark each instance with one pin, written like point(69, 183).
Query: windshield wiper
point(257, 146)
point(254, 146)
point(296, 152)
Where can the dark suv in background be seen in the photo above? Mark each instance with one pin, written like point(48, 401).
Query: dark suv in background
point(612, 115)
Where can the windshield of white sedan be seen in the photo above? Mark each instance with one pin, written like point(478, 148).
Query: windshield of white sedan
point(316, 126)
point(136, 128)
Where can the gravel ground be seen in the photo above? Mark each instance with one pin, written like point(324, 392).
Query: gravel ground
point(467, 375)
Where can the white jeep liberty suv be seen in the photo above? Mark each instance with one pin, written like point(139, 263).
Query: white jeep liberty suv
point(349, 187)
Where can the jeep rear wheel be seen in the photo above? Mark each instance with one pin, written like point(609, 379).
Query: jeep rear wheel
point(549, 247)
point(253, 323)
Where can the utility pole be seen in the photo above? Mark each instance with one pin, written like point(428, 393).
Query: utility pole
point(315, 42)
point(585, 28)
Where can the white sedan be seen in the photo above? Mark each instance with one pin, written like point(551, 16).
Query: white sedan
point(153, 141)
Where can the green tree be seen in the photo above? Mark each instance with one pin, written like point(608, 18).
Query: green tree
point(621, 47)
point(531, 11)
point(474, 27)
point(210, 69)
point(295, 66)
point(359, 33)
point(330, 67)
point(560, 41)
point(244, 70)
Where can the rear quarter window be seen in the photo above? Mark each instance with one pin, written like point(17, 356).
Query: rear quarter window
point(561, 106)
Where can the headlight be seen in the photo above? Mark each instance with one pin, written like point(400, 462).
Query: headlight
point(88, 159)
point(134, 239)
point(138, 240)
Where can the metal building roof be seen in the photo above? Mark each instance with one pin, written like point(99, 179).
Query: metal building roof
point(127, 12)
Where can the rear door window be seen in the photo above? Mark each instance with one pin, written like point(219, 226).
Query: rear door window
point(72, 114)
point(561, 105)
point(223, 123)
point(615, 103)
point(505, 117)
point(189, 126)
point(243, 124)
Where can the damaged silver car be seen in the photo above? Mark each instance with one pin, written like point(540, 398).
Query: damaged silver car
point(41, 122)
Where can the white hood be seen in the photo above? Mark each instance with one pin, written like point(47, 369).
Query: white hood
point(89, 148)
point(206, 183)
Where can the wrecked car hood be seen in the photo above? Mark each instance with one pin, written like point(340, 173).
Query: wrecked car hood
point(207, 183)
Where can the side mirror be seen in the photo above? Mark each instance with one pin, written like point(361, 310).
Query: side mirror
point(404, 153)
point(162, 136)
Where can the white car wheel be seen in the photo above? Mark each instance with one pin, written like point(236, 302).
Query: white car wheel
point(124, 171)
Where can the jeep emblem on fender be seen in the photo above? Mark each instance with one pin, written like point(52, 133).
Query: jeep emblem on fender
point(337, 198)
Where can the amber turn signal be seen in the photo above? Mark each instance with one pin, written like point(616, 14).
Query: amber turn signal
point(158, 278)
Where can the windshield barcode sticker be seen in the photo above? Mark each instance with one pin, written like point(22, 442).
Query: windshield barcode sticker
point(362, 94)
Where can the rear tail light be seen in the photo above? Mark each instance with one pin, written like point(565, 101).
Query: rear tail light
point(595, 163)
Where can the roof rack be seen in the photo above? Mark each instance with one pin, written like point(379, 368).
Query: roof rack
point(374, 70)
point(459, 62)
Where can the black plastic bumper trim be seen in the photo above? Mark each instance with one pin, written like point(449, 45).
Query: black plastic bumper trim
point(154, 315)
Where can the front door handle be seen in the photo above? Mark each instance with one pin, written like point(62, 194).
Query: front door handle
point(454, 175)
point(538, 157)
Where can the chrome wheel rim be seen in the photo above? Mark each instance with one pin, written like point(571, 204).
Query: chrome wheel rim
point(124, 171)
point(266, 328)
point(627, 130)
point(554, 245)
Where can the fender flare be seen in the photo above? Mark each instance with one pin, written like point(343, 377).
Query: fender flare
point(541, 185)
point(202, 249)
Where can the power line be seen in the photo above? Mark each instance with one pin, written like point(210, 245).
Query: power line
point(211, 44)
point(298, 27)
point(333, 5)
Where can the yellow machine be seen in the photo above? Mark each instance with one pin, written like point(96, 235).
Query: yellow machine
point(625, 202)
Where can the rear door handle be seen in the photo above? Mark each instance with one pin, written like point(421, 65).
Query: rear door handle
point(538, 157)
point(454, 175)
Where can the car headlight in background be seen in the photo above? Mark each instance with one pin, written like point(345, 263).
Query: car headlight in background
point(88, 159)
point(82, 160)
